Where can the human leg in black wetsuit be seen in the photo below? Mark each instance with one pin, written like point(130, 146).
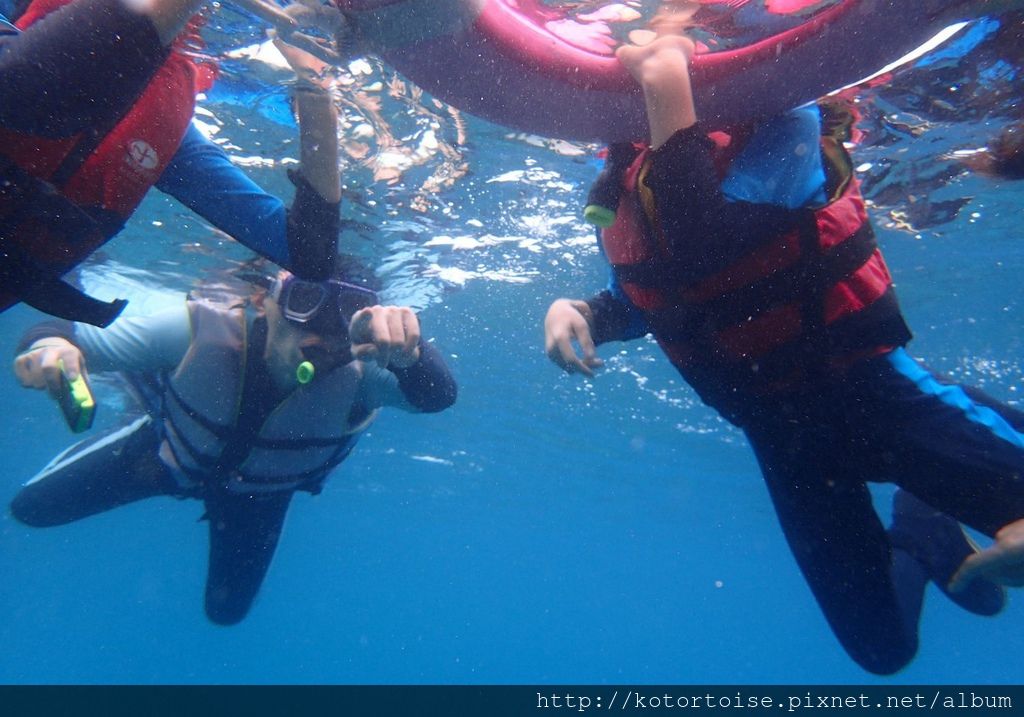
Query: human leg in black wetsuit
point(953, 447)
point(959, 453)
point(244, 530)
point(122, 465)
point(841, 545)
point(113, 468)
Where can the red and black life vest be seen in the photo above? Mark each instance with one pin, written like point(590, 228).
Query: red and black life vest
point(63, 198)
point(788, 310)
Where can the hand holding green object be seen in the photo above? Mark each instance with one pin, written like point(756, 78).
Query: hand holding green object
point(76, 401)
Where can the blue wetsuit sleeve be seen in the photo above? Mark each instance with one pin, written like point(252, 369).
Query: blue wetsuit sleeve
point(202, 177)
point(781, 164)
point(151, 342)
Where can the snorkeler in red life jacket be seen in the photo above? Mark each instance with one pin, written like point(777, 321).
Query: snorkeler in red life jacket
point(742, 319)
point(65, 194)
point(766, 291)
point(109, 125)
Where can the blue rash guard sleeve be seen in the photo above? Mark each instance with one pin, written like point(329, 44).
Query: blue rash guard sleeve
point(202, 177)
point(615, 316)
point(154, 342)
point(781, 164)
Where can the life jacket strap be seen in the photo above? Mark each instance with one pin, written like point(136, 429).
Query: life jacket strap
point(50, 294)
point(298, 444)
point(222, 431)
point(58, 298)
point(22, 197)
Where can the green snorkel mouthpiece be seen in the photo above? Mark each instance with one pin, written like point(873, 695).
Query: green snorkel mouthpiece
point(305, 372)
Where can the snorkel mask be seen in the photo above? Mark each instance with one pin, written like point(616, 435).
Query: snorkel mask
point(323, 307)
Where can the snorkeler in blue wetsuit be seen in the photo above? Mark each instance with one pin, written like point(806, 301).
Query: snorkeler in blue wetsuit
point(773, 301)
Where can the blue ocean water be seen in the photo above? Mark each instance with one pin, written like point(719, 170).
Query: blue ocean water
point(547, 529)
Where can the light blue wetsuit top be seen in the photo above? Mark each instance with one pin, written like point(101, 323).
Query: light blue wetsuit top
point(156, 343)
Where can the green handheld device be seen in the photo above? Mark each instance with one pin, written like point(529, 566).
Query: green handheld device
point(76, 401)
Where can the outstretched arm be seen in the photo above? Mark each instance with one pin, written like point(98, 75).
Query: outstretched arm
point(315, 217)
point(302, 239)
point(318, 121)
point(662, 68)
point(153, 342)
point(203, 178)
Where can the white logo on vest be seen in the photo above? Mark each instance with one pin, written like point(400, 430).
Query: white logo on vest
point(142, 155)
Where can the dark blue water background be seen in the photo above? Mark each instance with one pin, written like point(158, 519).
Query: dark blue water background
point(547, 528)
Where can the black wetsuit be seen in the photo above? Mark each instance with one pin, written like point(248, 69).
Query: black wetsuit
point(820, 442)
point(79, 68)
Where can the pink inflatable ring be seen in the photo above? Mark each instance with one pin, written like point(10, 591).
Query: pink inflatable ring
point(497, 60)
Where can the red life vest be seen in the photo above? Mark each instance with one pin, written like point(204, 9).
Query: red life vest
point(78, 192)
point(788, 310)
